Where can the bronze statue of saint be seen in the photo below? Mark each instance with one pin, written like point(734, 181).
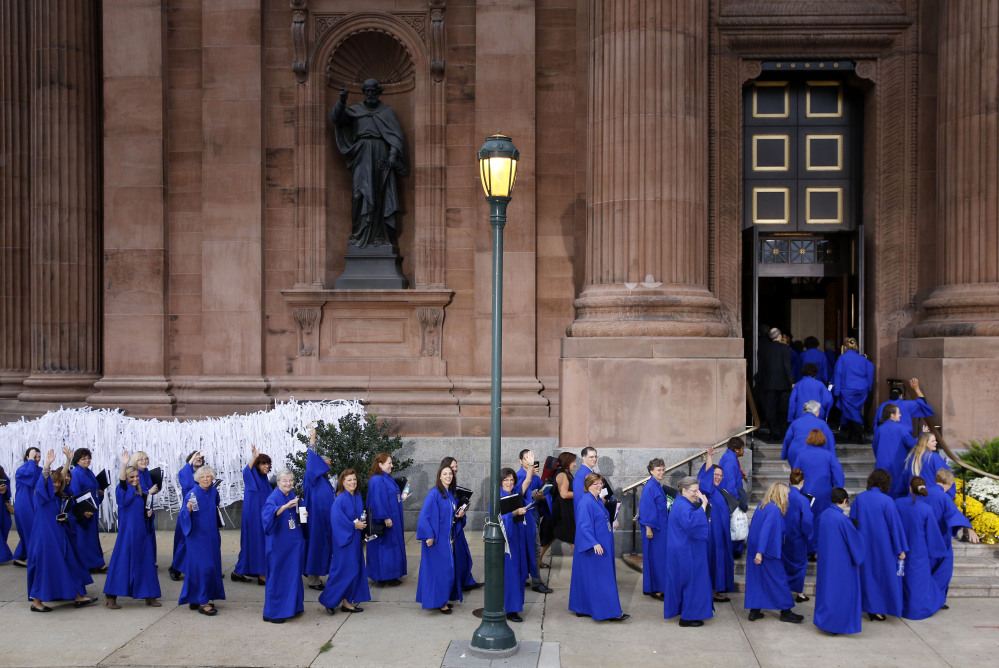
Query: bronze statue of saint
point(370, 136)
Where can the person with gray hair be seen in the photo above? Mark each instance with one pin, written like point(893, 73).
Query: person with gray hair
point(688, 581)
point(199, 521)
point(284, 595)
point(774, 380)
point(797, 433)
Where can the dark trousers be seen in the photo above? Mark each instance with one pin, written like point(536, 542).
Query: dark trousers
point(775, 411)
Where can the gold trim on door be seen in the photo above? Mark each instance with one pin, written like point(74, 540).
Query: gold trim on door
point(838, 167)
point(773, 84)
point(787, 153)
point(808, 100)
point(786, 192)
point(824, 221)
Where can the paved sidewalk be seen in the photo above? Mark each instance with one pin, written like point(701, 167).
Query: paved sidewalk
point(393, 631)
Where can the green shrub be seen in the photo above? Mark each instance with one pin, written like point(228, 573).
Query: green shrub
point(984, 456)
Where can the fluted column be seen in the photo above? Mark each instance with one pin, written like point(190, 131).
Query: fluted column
point(967, 302)
point(65, 200)
point(647, 134)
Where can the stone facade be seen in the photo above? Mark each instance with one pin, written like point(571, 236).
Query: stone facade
point(175, 214)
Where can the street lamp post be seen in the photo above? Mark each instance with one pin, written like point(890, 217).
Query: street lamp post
point(498, 171)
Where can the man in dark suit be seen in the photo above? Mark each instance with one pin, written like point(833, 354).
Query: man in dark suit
point(774, 380)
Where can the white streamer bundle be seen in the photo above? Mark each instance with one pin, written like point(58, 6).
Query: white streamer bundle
point(226, 443)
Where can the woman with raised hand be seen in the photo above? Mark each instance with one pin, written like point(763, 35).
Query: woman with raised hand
point(593, 587)
point(517, 558)
point(437, 583)
point(879, 523)
point(199, 522)
point(84, 526)
point(256, 490)
point(284, 596)
point(54, 571)
point(347, 583)
point(462, 555)
point(386, 554)
point(721, 564)
point(797, 529)
point(653, 516)
point(132, 569)
point(185, 477)
point(25, 479)
point(837, 579)
point(921, 595)
point(688, 583)
point(766, 579)
point(140, 460)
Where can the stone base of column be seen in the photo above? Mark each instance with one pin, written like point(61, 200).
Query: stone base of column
point(961, 310)
point(51, 390)
point(663, 310)
point(211, 396)
point(11, 384)
point(650, 392)
point(138, 396)
point(958, 376)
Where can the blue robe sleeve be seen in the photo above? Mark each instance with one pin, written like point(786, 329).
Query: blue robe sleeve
point(854, 541)
point(771, 534)
point(648, 513)
point(184, 519)
point(935, 545)
point(585, 529)
point(377, 501)
point(342, 516)
point(269, 512)
point(186, 478)
point(44, 490)
point(428, 520)
point(788, 437)
point(837, 477)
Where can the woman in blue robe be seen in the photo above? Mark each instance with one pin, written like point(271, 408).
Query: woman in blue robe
point(837, 579)
point(732, 478)
point(185, 477)
point(347, 584)
point(25, 479)
point(437, 583)
point(199, 522)
point(284, 595)
point(84, 528)
point(462, 555)
point(721, 565)
point(766, 579)
point(132, 569)
point(517, 558)
point(949, 519)
point(893, 440)
point(6, 512)
point(878, 521)
point(797, 531)
point(386, 554)
point(822, 472)
point(853, 376)
point(54, 570)
point(921, 595)
point(319, 497)
point(140, 460)
point(252, 544)
point(924, 461)
point(688, 583)
point(653, 515)
point(593, 586)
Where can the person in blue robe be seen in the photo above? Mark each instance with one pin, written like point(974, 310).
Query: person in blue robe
point(588, 459)
point(837, 576)
point(921, 595)
point(54, 570)
point(893, 440)
point(462, 554)
point(766, 579)
point(831, 354)
point(284, 595)
point(797, 531)
point(812, 355)
point(950, 520)
point(822, 472)
point(732, 481)
point(84, 528)
point(593, 586)
point(437, 583)
point(318, 496)
point(653, 517)
point(687, 591)
point(256, 491)
point(878, 521)
point(199, 522)
point(529, 483)
point(185, 477)
point(6, 512)
point(796, 437)
point(132, 569)
point(853, 377)
point(924, 461)
point(386, 554)
point(517, 555)
point(347, 583)
point(910, 408)
point(140, 460)
point(808, 389)
point(721, 564)
point(25, 479)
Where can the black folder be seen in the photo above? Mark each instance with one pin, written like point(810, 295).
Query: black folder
point(510, 503)
point(156, 475)
point(462, 494)
point(102, 480)
point(401, 481)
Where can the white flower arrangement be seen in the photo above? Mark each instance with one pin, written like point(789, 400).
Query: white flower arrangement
point(985, 490)
point(993, 506)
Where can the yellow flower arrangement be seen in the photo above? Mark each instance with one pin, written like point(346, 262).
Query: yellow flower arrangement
point(959, 485)
point(974, 507)
point(986, 523)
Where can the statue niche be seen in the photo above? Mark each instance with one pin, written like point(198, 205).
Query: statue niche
point(369, 162)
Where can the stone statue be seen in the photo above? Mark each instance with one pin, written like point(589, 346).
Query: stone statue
point(370, 136)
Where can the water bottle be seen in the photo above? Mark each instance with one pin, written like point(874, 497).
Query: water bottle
point(900, 569)
point(194, 506)
point(405, 491)
point(364, 516)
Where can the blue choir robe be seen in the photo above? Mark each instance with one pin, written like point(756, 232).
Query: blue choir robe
point(766, 582)
point(319, 498)
point(822, 472)
point(437, 583)
point(837, 579)
point(5, 524)
point(146, 483)
point(909, 409)
point(284, 594)
point(387, 553)
point(732, 483)
point(577, 486)
point(84, 532)
point(852, 380)
point(593, 587)
point(25, 479)
point(818, 358)
point(186, 479)
point(252, 552)
point(348, 579)
point(797, 531)
point(531, 518)
point(653, 512)
point(797, 434)
point(54, 569)
point(921, 595)
point(202, 548)
point(949, 519)
point(721, 564)
point(462, 554)
point(805, 390)
point(884, 539)
point(132, 569)
point(931, 462)
point(795, 363)
point(515, 568)
point(892, 443)
point(688, 584)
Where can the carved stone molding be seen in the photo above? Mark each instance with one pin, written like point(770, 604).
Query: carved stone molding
point(300, 44)
point(307, 318)
point(430, 319)
point(751, 69)
point(437, 40)
point(867, 69)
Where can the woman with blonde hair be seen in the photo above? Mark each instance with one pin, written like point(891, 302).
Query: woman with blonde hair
point(924, 461)
point(766, 579)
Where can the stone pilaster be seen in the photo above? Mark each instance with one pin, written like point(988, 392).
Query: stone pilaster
point(65, 201)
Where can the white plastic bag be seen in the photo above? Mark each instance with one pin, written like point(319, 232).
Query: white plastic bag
point(739, 528)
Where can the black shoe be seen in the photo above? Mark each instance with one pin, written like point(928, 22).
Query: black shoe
point(318, 587)
point(658, 595)
point(174, 574)
point(330, 611)
point(723, 599)
point(44, 608)
point(813, 557)
point(261, 581)
point(193, 606)
point(85, 602)
point(394, 582)
point(619, 619)
point(801, 598)
point(754, 615)
point(445, 611)
point(579, 614)
point(236, 577)
point(356, 608)
point(272, 621)
point(790, 617)
point(477, 585)
point(541, 588)
point(691, 623)
point(945, 607)
point(514, 617)
point(876, 618)
point(19, 562)
point(210, 611)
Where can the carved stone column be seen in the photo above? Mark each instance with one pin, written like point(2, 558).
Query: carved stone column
point(65, 201)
